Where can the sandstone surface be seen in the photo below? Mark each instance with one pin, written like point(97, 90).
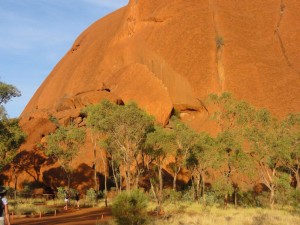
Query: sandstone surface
point(167, 54)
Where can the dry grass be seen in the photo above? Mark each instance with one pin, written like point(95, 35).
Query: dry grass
point(194, 214)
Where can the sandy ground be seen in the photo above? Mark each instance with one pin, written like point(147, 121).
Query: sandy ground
point(73, 217)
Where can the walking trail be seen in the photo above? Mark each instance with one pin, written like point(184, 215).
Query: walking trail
point(85, 216)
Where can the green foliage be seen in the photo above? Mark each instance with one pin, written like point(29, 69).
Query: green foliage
point(185, 141)
point(130, 208)
point(172, 195)
point(125, 127)
point(159, 143)
point(231, 113)
point(91, 196)
point(63, 145)
point(175, 113)
point(61, 193)
point(222, 187)
point(54, 120)
point(219, 42)
point(8, 91)
point(11, 138)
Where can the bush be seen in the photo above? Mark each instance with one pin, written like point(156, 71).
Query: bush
point(130, 208)
point(91, 196)
point(171, 195)
point(61, 193)
point(219, 41)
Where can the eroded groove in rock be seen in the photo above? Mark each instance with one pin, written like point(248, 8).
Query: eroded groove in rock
point(219, 49)
point(277, 33)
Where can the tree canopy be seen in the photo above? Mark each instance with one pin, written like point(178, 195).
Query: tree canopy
point(63, 145)
point(8, 91)
point(11, 135)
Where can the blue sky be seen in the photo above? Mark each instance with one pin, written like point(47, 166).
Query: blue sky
point(35, 35)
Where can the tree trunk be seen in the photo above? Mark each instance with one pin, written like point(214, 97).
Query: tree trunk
point(155, 194)
point(15, 183)
point(226, 200)
point(120, 181)
point(114, 174)
point(137, 179)
point(235, 197)
point(69, 180)
point(174, 181)
point(95, 166)
point(297, 177)
point(272, 197)
point(198, 187)
point(104, 162)
point(203, 191)
point(105, 188)
point(194, 188)
point(160, 196)
point(128, 177)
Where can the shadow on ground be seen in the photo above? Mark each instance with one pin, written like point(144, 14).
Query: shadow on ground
point(79, 217)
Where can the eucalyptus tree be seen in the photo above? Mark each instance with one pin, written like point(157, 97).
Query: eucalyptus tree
point(11, 138)
point(158, 147)
point(64, 145)
point(266, 142)
point(199, 162)
point(230, 113)
point(231, 162)
point(96, 115)
point(232, 117)
point(125, 128)
point(185, 140)
point(290, 145)
point(7, 92)
point(11, 135)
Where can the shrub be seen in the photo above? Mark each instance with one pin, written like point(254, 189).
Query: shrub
point(91, 196)
point(61, 193)
point(130, 208)
point(171, 195)
point(219, 41)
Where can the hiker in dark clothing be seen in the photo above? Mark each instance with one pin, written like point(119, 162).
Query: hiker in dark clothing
point(77, 198)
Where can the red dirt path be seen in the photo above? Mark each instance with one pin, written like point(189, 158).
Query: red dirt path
point(79, 217)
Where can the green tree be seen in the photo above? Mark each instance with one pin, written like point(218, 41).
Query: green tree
point(290, 145)
point(231, 160)
point(199, 162)
point(96, 116)
point(230, 113)
point(185, 140)
point(126, 128)
point(11, 138)
point(265, 140)
point(7, 92)
point(11, 135)
point(63, 145)
point(158, 146)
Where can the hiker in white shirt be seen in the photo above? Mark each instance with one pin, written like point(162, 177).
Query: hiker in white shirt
point(4, 214)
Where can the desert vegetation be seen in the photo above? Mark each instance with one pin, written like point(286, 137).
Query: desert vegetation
point(252, 148)
point(252, 163)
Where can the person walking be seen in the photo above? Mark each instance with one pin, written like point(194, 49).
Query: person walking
point(77, 198)
point(4, 214)
point(67, 199)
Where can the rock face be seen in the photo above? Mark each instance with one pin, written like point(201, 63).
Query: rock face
point(167, 54)
point(164, 54)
